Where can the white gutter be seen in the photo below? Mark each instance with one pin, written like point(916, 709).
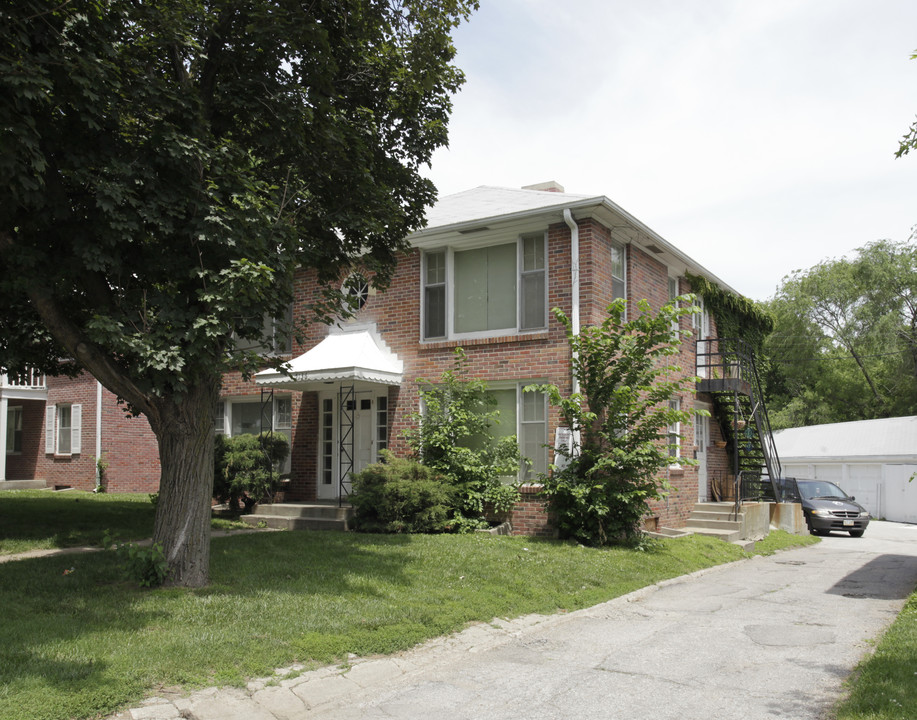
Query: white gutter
point(98, 431)
point(574, 280)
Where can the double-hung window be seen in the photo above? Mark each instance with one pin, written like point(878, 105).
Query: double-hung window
point(487, 290)
point(618, 286)
point(524, 414)
point(674, 434)
point(673, 294)
point(63, 429)
point(248, 416)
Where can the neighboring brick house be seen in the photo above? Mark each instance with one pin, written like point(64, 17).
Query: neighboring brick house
point(484, 275)
point(53, 430)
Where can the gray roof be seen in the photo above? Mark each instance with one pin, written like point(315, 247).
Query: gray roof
point(889, 438)
point(487, 208)
point(487, 202)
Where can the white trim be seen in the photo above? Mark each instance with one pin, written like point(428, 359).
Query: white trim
point(98, 431)
point(50, 429)
point(450, 301)
point(76, 429)
point(4, 407)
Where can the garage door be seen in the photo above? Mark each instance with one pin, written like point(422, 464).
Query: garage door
point(900, 493)
point(863, 483)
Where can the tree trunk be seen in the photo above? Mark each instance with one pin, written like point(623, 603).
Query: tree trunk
point(182, 525)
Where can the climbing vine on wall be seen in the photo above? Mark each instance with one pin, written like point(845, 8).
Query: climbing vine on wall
point(736, 316)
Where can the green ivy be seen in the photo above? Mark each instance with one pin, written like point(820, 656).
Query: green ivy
point(736, 315)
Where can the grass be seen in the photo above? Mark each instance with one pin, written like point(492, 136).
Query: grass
point(47, 520)
point(78, 641)
point(884, 686)
point(44, 520)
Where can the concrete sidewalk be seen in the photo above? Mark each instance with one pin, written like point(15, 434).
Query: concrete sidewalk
point(765, 638)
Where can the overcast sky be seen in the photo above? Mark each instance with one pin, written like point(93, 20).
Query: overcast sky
point(756, 136)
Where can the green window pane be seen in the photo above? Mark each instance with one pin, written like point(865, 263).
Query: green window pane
point(485, 289)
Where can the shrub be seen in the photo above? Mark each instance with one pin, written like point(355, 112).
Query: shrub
point(453, 436)
point(620, 422)
point(244, 468)
point(400, 496)
point(144, 564)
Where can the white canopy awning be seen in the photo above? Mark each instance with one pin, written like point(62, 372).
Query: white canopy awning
point(357, 354)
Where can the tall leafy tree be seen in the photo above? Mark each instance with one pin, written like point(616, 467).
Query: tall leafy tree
point(845, 343)
point(168, 165)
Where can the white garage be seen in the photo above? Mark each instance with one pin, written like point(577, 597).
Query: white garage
point(872, 460)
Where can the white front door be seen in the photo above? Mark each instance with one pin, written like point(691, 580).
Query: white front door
point(343, 449)
point(701, 440)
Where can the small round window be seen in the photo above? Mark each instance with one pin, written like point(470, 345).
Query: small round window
point(356, 290)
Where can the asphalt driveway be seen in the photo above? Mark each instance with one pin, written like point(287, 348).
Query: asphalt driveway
point(764, 638)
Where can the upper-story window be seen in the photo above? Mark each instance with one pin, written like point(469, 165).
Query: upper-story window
point(673, 295)
point(485, 291)
point(618, 286)
point(277, 336)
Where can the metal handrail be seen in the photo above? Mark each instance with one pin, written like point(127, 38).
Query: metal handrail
point(733, 358)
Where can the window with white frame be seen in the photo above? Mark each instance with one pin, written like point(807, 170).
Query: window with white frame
point(248, 416)
point(14, 430)
point(63, 429)
point(524, 414)
point(486, 291)
point(618, 272)
point(673, 294)
point(674, 433)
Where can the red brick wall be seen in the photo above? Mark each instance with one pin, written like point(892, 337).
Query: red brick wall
point(530, 516)
point(129, 447)
point(77, 470)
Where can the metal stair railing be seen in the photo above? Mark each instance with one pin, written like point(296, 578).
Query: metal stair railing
point(730, 364)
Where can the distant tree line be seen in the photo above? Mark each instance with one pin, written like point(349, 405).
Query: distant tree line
point(844, 345)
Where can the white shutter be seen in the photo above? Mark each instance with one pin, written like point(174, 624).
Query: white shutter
point(49, 429)
point(76, 427)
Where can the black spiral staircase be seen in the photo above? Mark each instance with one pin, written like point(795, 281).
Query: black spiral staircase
point(726, 370)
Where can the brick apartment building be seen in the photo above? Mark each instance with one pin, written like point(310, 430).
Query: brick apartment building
point(484, 275)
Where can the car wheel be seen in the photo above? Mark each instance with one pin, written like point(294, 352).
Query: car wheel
point(856, 533)
point(820, 531)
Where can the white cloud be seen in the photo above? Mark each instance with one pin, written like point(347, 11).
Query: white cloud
point(757, 136)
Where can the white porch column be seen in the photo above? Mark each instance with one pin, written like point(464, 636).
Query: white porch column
point(4, 412)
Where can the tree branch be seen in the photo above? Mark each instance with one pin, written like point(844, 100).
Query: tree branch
point(86, 354)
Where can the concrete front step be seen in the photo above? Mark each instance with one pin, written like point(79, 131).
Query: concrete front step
point(301, 516)
point(305, 509)
point(23, 485)
point(707, 515)
point(721, 508)
point(725, 535)
point(716, 519)
point(296, 523)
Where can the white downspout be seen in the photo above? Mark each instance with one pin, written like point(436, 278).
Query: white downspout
point(98, 431)
point(574, 280)
point(4, 409)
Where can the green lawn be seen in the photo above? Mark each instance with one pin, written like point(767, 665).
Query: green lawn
point(77, 641)
point(43, 519)
point(884, 687)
